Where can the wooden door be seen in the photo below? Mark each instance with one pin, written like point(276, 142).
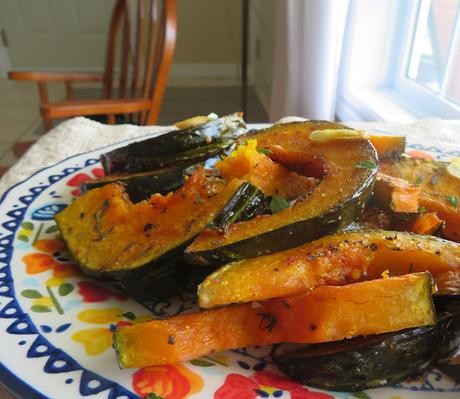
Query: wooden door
point(56, 34)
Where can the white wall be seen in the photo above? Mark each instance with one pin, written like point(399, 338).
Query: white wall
point(71, 35)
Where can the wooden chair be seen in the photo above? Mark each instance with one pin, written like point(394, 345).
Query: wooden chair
point(142, 73)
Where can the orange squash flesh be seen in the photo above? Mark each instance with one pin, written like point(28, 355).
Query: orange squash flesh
point(396, 194)
point(105, 231)
point(332, 260)
point(427, 223)
point(439, 189)
point(326, 314)
point(247, 163)
point(388, 146)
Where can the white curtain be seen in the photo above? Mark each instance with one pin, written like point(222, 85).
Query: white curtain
point(307, 58)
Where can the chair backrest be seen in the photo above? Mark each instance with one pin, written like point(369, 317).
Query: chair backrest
point(145, 32)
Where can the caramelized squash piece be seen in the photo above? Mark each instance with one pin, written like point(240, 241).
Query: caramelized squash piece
point(395, 194)
point(253, 165)
point(388, 146)
point(426, 223)
point(440, 191)
point(326, 314)
point(333, 260)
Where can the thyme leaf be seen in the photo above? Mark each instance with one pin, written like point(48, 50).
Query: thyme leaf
point(278, 203)
point(366, 164)
point(453, 200)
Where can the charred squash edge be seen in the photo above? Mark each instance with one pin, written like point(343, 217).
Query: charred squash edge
point(372, 361)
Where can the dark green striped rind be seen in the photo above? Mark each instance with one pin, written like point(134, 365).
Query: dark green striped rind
point(176, 148)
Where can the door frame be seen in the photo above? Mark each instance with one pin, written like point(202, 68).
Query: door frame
point(5, 59)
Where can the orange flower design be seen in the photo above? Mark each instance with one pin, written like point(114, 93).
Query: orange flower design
point(39, 263)
point(49, 246)
point(170, 382)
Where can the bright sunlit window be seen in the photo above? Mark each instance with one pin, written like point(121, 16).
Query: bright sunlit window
point(401, 61)
point(434, 59)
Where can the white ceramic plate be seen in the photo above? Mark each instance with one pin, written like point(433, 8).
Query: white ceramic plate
point(55, 324)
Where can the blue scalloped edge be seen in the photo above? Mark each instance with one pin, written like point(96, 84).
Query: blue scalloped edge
point(58, 361)
point(436, 150)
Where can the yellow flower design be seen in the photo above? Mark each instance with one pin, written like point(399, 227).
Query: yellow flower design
point(43, 301)
point(95, 340)
point(101, 316)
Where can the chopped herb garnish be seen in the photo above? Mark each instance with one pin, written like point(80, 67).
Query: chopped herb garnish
point(418, 181)
point(153, 396)
point(421, 210)
point(278, 203)
point(267, 321)
point(129, 315)
point(265, 151)
point(453, 200)
point(367, 164)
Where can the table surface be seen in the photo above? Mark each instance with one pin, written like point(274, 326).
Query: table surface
point(6, 394)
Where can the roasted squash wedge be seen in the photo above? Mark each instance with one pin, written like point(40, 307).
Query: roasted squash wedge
point(325, 314)
point(396, 195)
point(332, 260)
point(426, 223)
point(440, 191)
point(140, 186)
point(388, 146)
point(339, 198)
point(111, 237)
point(178, 147)
point(369, 362)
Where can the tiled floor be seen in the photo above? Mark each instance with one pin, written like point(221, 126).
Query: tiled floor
point(20, 119)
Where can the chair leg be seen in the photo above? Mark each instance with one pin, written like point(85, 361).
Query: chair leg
point(3, 169)
point(47, 123)
point(20, 148)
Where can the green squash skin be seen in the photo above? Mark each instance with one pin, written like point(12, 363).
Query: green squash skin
point(291, 235)
point(370, 362)
point(247, 202)
point(141, 186)
point(158, 279)
point(179, 148)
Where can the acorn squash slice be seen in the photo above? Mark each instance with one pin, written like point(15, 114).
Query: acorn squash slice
point(178, 147)
point(332, 260)
point(349, 170)
point(140, 244)
point(369, 362)
point(439, 190)
point(325, 314)
point(388, 146)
